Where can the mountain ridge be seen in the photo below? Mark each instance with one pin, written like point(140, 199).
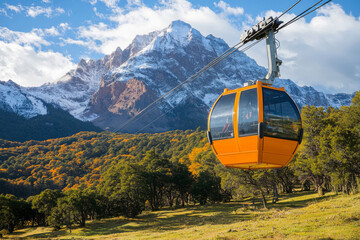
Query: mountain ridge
point(111, 90)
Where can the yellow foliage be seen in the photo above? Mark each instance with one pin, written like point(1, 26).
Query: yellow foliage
point(194, 168)
point(195, 152)
point(79, 153)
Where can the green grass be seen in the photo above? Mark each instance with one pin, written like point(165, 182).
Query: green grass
point(295, 216)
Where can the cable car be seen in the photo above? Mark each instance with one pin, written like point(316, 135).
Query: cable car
point(256, 126)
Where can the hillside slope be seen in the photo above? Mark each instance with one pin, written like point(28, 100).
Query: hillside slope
point(298, 216)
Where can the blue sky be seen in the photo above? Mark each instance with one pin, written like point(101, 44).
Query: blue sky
point(41, 40)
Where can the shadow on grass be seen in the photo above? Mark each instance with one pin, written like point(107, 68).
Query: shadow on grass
point(291, 201)
point(169, 220)
point(50, 234)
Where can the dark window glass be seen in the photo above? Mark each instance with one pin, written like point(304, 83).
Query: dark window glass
point(248, 118)
point(281, 116)
point(221, 120)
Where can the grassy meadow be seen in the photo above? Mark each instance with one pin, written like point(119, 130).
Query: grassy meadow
point(300, 215)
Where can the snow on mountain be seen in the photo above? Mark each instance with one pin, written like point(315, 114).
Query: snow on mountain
point(73, 91)
point(14, 98)
point(163, 59)
point(179, 51)
point(111, 90)
point(309, 96)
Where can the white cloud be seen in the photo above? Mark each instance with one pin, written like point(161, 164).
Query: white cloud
point(134, 2)
point(33, 11)
point(142, 20)
point(23, 61)
point(3, 11)
point(323, 53)
point(64, 26)
point(110, 3)
point(48, 12)
point(52, 31)
point(75, 42)
point(98, 14)
point(28, 67)
point(14, 8)
point(229, 10)
point(33, 38)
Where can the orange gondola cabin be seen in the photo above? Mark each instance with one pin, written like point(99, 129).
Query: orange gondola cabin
point(254, 127)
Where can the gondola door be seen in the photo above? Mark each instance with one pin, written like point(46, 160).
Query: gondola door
point(221, 122)
point(282, 127)
point(248, 120)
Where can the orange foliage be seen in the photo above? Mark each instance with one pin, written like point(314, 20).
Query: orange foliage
point(79, 154)
point(194, 168)
point(70, 156)
point(195, 152)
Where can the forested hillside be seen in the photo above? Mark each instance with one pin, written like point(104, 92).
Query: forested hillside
point(56, 123)
point(97, 175)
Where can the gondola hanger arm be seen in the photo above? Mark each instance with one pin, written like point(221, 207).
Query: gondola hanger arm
point(265, 28)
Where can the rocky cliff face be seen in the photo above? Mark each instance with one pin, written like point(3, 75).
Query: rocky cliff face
point(111, 90)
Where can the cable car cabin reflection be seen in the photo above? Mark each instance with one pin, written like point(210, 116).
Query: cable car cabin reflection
point(254, 127)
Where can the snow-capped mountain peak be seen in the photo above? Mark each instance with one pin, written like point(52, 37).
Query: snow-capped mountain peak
point(16, 99)
point(180, 32)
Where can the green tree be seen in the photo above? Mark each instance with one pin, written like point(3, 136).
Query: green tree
point(126, 187)
point(206, 187)
point(62, 214)
point(44, 203)
point(342, 147)
point(73, 208)
point(309, 164)
point(182, 180)
point(156, 172)
point(13, 212)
